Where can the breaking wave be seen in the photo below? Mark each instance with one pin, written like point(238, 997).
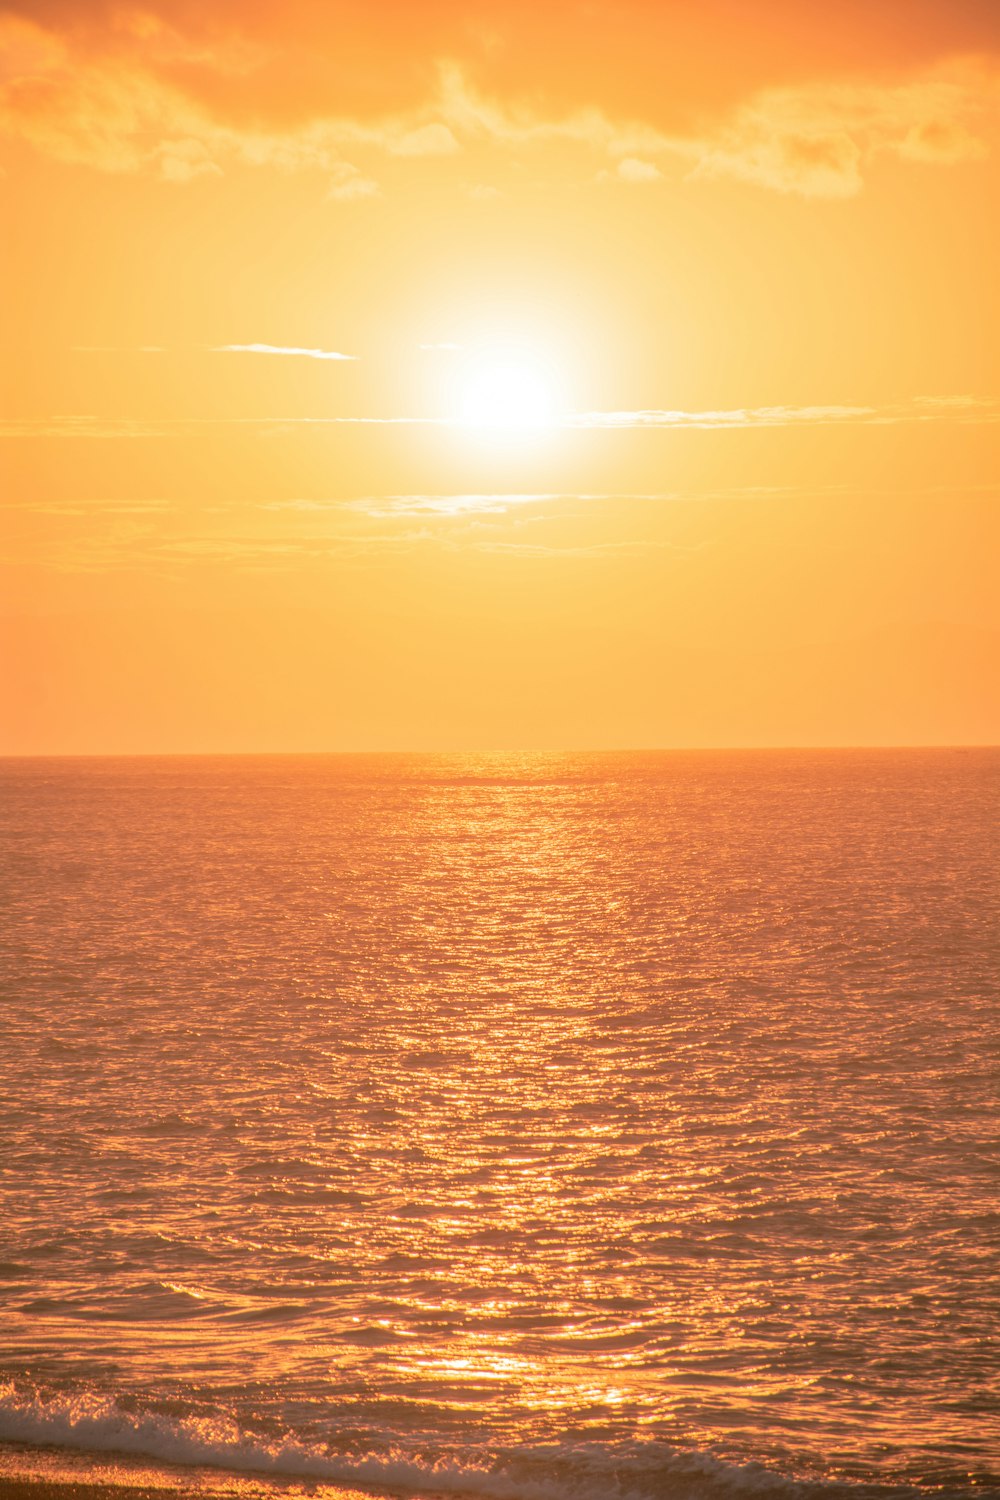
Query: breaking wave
point(101, 1423)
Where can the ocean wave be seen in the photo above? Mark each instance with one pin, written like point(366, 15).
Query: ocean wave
point(177, 1433)
point(146, 1302)
point(172, 1125)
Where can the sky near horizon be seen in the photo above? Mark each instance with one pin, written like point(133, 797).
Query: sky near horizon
point(431, 375)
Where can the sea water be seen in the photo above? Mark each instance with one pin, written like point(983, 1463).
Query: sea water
point(538, 1126)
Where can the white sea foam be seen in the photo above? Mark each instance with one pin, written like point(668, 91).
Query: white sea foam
point(94, 1422)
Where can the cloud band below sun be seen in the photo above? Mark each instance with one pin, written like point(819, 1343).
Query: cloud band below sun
point(956, 409)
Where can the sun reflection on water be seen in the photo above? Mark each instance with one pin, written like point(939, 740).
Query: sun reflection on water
point(511, 1112)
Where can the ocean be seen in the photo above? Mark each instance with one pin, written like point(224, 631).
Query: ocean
point(544, 1127)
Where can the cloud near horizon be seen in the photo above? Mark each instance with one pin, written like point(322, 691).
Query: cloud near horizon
point(186, 92)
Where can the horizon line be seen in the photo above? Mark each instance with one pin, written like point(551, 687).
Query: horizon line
point(520, 750)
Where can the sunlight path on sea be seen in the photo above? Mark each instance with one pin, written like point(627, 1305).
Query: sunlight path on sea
point(593, 1116)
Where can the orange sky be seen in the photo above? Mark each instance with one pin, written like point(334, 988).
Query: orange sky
point(270, 273)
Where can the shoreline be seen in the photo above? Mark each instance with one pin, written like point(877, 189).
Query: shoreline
point(37, 1471)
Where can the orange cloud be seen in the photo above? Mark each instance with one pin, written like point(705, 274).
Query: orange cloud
point(817, 141)
point(790, 101)
point(270, 62)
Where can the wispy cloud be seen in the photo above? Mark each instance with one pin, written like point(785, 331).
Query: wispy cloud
point(81, 427)
point(87, 508)
point(634, 169)
point(173, 537)
point(956, 409)
point(434, 139)
point(819, 141)
point(759, 416)
point(458, 506)
point(975, 409)
point(302, 512)
point(281, 349)
point(815, 140)
point(347, 183)
point(387, 507)
point(632, 548)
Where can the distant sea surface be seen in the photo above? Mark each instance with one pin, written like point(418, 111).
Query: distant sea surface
point(549, 1127)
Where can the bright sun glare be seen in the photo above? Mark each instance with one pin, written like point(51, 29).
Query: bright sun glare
point(506, 390)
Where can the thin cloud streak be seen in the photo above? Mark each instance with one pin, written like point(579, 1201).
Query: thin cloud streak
point(458, 506)
point(389, 507)
point(959, 409)
point(570, 550)
point(281, 349)
point(392, 507)
point(921, 409)
point(170, 537)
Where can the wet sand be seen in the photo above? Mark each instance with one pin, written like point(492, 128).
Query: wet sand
point(49, 1473)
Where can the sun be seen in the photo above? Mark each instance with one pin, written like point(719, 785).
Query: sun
point(506, 389)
